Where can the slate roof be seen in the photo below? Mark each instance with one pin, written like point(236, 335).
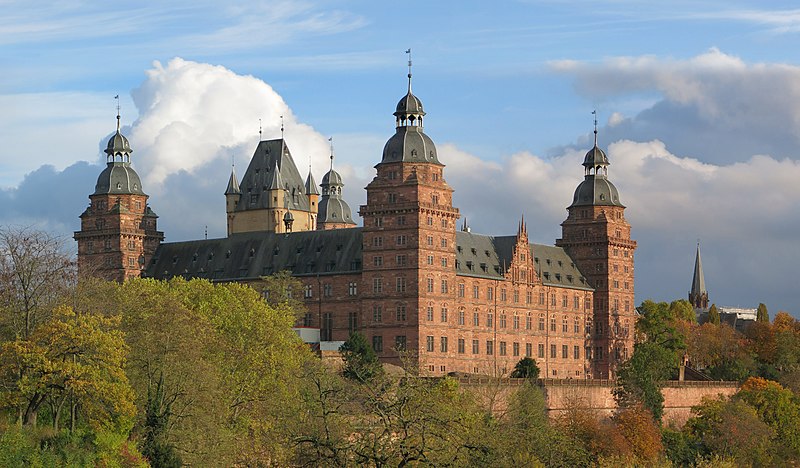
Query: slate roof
point(268, 155)
point(488, 257)
point(698, 280)
point(309, 253)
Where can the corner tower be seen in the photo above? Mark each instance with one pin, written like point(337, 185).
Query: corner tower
point(118, 233)
point(598, 238)
point(408, 238)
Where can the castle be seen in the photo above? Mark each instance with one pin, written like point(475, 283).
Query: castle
point(408, 279)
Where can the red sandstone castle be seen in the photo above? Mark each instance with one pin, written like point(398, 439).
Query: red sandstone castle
point(409, 279)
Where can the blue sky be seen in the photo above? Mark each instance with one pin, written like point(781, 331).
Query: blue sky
point(697, 103)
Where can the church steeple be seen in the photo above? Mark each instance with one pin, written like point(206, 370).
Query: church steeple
point(698, 296)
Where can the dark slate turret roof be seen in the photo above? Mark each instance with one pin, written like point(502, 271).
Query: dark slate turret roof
point(332, 208)
point(118, 178)
point(311, 184)
point(410, 144)
point(260, 176)
point(409, 105)
point(596, 190)
point(233, 185)
point(254, 254)
point(488, 257)
point(118, 145)
point(595, 157)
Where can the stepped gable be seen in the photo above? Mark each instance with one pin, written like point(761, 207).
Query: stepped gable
point(476, 251)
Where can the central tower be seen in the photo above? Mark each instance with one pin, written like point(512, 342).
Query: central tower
point(408, 236)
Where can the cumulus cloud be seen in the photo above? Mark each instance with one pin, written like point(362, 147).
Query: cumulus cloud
point(713, 106)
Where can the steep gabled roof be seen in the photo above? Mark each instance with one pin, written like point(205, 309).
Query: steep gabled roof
point(256, 181)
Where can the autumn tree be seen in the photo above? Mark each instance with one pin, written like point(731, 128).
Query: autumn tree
point(74, 363)
point(778, 408)
point(682, 309)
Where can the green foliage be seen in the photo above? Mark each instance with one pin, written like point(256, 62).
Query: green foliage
point(360, 361)
point(762, 315)
point(713, 315)
point(681, 309)
point(526, 368)
point(721, 352)
point(657, 326)
point(680, 447)
point(639, 379)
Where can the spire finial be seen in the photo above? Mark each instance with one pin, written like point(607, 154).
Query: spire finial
point(281, 127)
point(331, 141)
point(117, 98)
point(594, 113)
point(259, 129)
point(409, 69)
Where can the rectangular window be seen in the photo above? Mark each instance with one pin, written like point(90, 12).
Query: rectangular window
point(377, 285)
point(564, 326)
point(308, 292)
point(401, 239)
point(502, 348)
point(541, 350)
point(377, 241)
point(327, 290)
point(576, 352)
point(476, 292)
point(377, 313)
point(430, 285)
point(598, 353)
point(461, 317)
point(444, 242)
point(392, 197)
point(552, 325)
point(401, 220)
point(516, 322)
point(528, 349)
point(401, 260)
point(564, 351)
point(489, 320)
point(444, 262)
point(528, 297)
point(503, 295)
point(377, 344)
point(489, 347)
point(489, 293)
point(443, 344)
point(400, 313)
point(516, 296)
point(564, 301)
point(461, 346)
point(430, 240)
point(400, 343)
point(429, 343)
point(541, 322)
point(444, 314)
point(307, 319)
point(400, 285)
point(528, 321)
point(377, 261)
point(541, 298)
point(352, 322)
point(378, 221)
point(430, 314)
point(475, 347)
point(444, 286)
point(576, 302)
point(352, 288)
point(553, 351)
point(476, 319)
point(461, 290)
point(326, 332)
point(515, 349)
point(503, 320)
point(430, 259)
point(553, 300)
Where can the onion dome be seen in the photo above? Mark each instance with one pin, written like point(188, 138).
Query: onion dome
point(118, 177)
point(409, 143)
point(596, 189)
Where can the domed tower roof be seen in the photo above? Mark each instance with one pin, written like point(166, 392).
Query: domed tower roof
point(596, 189)
point(118, 177)
point(332, 208)
point(409, 143)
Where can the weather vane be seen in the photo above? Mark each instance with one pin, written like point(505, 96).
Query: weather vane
point(117, 98)
point(331, 141)
point(594, 113)
point(409, 69)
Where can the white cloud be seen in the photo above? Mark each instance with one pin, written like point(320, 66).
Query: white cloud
point(191, 114)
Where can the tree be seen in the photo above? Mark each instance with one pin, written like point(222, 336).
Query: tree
point(681, 309)
point(713, 315)
point(71, 361)
point(721, 351)
point(761, 314)
point(657, 325)
point(777, 407)
point(360, 361)
point(636, 424)
point(639, 379)
point(35, 276)
point(526, 368)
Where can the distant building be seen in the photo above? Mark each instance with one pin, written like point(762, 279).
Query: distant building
point(736, 317)
point(407, 279)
